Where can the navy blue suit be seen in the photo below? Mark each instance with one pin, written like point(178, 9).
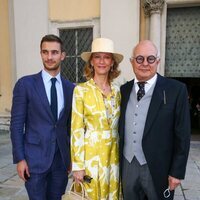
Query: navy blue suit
point(35, 135)
point(166, 137)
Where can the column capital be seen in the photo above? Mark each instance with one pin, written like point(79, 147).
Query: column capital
point(152, 6)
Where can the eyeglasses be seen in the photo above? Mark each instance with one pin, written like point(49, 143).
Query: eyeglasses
point(140, 59)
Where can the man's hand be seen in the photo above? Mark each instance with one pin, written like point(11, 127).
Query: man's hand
point(173, 182)
point(22, 169)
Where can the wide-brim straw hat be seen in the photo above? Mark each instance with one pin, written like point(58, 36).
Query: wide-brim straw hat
point(102, 45)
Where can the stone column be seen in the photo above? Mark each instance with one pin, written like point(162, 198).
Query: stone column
point(153, 9)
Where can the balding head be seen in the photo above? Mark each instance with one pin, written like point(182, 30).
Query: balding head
point(145, 43)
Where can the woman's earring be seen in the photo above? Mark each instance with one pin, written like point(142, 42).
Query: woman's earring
point(92, 68)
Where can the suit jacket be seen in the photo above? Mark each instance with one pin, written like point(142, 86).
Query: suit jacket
point(166, 137)
point(34, 132)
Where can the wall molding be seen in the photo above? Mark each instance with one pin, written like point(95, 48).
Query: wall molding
point(54, 26)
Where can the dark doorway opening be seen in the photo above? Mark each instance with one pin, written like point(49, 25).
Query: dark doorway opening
point(193, 86)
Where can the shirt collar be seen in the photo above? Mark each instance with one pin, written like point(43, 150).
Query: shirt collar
point(47, 77)
point(150, 81)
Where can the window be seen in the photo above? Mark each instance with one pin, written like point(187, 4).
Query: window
point(75, 42)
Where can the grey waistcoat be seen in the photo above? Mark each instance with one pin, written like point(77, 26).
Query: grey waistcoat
point(136, 113)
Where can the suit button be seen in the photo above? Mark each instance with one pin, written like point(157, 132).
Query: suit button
point(134, 141)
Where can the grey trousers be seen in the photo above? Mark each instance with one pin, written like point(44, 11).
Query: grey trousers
point(137, 182)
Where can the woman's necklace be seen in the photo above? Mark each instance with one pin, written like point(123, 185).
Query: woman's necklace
point(106, 88)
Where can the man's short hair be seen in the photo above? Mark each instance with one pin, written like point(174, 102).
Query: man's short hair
point(52, 38)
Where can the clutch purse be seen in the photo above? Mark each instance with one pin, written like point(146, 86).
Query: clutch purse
point(72, 194)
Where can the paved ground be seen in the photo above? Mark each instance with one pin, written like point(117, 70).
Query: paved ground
point(11, 187)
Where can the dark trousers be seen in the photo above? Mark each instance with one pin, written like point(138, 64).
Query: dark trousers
point(137, 182)
point(49, 185)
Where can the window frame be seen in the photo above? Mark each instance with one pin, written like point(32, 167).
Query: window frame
point(94, 23)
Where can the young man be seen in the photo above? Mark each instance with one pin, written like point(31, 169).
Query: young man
point(40, 125)
point(154, 129)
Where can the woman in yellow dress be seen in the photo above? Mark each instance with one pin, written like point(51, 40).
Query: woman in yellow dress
point(94, 128)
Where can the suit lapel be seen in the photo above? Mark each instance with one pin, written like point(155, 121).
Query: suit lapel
point(125, 92)
point(156, 101)
point(40, 89)
point(65, 94)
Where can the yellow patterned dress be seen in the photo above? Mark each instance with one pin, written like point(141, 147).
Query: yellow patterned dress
point(94, 139)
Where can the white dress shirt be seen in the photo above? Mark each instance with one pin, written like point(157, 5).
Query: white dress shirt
point(147, 85)
point(47, 84)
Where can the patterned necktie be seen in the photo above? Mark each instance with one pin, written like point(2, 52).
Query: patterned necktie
point(141, 91)
point(54, 102)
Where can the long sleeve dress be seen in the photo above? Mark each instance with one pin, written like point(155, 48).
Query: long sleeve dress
point(94, 139)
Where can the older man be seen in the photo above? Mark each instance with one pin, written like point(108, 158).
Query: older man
point(154, 129)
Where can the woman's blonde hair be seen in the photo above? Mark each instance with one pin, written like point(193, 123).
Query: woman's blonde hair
point(89, 70)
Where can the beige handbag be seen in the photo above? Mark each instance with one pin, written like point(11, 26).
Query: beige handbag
point(72, 194)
